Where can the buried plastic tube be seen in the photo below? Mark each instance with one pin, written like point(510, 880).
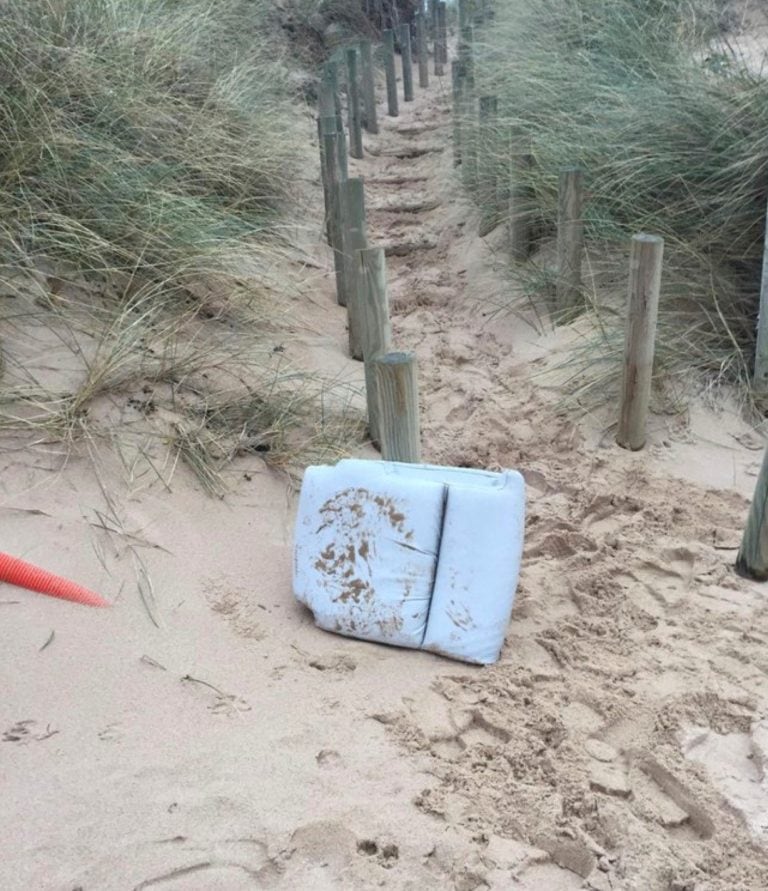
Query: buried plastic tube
point(18, 572)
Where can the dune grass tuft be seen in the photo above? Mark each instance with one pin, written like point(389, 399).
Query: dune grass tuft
point(150, 161)
point(139, 139)
point(671, 128)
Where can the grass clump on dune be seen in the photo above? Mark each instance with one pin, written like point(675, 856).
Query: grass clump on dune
point(672, 132)
point(140, 139)
point(149, 156)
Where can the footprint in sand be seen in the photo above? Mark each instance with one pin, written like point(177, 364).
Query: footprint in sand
point(335, 663)
point(559, 545)
point(329, 759)
point(658, 793)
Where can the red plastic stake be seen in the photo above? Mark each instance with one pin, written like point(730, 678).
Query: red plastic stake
point(22, 574)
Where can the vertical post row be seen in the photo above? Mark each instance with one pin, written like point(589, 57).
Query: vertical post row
point(376, 328)
point(391, 73)
point(421, 48)
point(570, 238)
point(369, 87)
point(407, 61)
point(398, 394)
point(353, 111)
point(643, 304)
point(354, 238)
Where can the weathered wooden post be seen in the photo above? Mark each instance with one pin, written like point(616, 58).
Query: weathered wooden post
point(487, 176)
point(398, 394)
point(421, 48)
point(331, 77)
point(441, 40)
point(760, 380)
point(570, 238)
point(407, 61)
point(327, 95)
point(456, 90)
point(376, 328)
point(467, 51)
point(353, 111)
point(391, 73)
point(643, 303)
point(468, 128)
point(325, 177)
point(752, 560)
point(463, 14)
point(369, 87)
point(330, 137)
point(433, 18)
point(355, 238)
point(520, 199)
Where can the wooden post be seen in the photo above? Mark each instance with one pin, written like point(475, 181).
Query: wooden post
point(463, 14)
point(353, 111)
point(643, 304)
point(391, 73)
point(407, 61)
point(331, 74)
point(433, 18)
point(760, 381)
point(369, 87)
point(520, 201)
point(457, 78)
point(467, 51)
point(752, 560)
point(468, 131)
point(398, 393)
point(327, 96)
point(376, 328)
point(330, 137)
point(325, 177)
point(421, 48)
point(441, 40)
point(570, 238)
point(487, 177)
point(354, 239)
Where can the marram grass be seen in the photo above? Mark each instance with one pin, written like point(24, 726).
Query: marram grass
point(149, 156)
point(672, 132)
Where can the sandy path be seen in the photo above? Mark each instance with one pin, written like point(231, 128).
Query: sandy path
point(309, 761)
point(623, 731)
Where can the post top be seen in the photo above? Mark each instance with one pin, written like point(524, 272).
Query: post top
point(395, 358)
point(645, 238)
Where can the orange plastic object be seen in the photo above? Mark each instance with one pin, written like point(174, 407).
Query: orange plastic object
point(22, 574)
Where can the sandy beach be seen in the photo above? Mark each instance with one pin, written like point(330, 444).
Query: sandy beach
point(202, 734)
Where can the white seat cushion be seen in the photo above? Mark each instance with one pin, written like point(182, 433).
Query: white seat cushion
point(477, 571)
point(411, 555)
point(365, 553)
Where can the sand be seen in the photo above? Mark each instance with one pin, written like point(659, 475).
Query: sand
point(203, 734)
